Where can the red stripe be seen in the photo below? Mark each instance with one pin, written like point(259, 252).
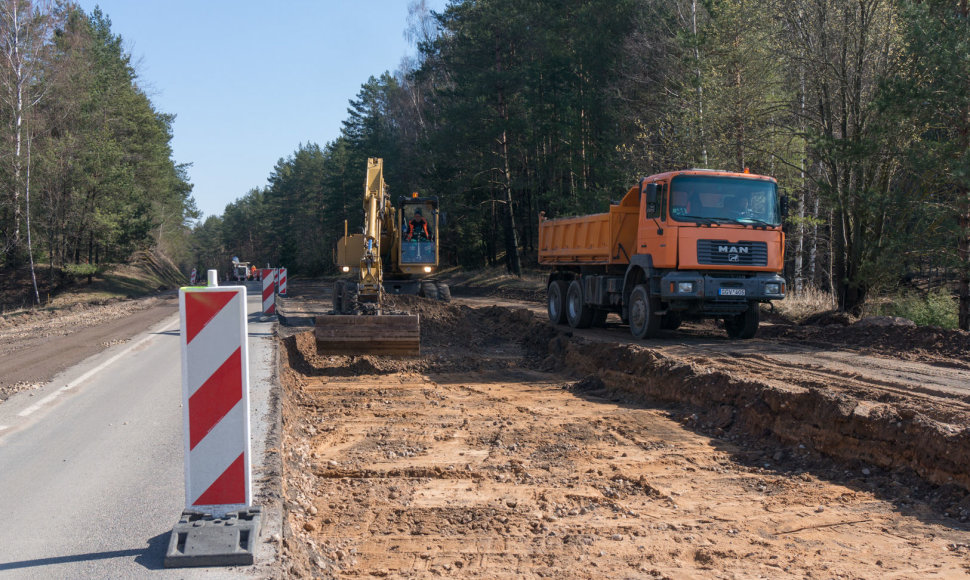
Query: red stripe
point(267, 292)
point(272, 309)
point(230, 488)
point(216, 397)
point(201, 308)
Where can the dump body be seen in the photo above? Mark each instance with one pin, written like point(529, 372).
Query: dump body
point(602, 238)
point(697, 244)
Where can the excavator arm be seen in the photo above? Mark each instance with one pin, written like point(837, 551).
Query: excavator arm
point(376, 204)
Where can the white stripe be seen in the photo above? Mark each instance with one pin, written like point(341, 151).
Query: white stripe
point(216, 452)
point(215, 343)
point(123, 353)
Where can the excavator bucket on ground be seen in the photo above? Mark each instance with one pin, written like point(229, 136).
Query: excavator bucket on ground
point(379, 334)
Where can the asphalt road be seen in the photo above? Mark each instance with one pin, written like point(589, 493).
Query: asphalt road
point(91, 465)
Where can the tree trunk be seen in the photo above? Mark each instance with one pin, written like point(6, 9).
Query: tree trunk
point(30, 247)
point(512, 237)
point(963, 251)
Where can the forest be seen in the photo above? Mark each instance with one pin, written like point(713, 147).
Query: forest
point(86, 166)
point(859, 108)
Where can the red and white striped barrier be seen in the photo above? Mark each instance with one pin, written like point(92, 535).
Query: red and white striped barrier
point(269, 291)
point(215, 396)
point(282, 280)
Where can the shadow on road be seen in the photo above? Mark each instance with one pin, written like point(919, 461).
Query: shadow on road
point(71, 559)
point(151, 557)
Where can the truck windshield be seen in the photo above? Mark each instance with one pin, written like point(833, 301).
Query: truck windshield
point(719, 199)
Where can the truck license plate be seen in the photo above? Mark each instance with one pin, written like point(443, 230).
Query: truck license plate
point(730, 291)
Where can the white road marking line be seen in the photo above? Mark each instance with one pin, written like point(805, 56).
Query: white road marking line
point(4, 427)
point(33, 408)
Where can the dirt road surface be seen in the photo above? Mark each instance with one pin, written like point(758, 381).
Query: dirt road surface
point(37, 345)
point(512, 448)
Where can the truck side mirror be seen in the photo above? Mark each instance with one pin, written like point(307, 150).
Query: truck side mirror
point(651, 191)
point(784, 206)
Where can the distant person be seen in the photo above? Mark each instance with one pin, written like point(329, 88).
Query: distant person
point(252, 273)
point(418, 226)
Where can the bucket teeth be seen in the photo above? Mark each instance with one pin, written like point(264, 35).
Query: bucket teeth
point(382, 334)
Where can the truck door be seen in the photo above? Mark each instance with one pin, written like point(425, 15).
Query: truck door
point(653, 237)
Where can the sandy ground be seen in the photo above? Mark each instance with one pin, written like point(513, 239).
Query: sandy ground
point(511, 448)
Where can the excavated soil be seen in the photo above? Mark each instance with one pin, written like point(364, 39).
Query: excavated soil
point(514, 448)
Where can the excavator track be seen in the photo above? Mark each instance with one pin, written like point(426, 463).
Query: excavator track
point(378, 334)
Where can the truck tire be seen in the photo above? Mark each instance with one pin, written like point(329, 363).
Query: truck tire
point(644, 323)
point(444, 292)
point(556, 306)
point(429, 290)
point(670, 321)
point(744, 325)
point(578, 313)
point(338, 294)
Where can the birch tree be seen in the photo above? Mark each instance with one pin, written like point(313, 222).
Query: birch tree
point(25, 28)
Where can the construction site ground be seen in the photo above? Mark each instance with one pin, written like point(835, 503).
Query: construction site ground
point(513, 448)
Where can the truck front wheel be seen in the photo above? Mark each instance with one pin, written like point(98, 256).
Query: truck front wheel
point(578, 313)
point(644, 322)
point(744, 325)
point(557, 301)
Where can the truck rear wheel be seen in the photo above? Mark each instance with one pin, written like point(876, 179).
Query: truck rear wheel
point(644, 322)
point(556, 294)
point(578, 313)
point(744, 325)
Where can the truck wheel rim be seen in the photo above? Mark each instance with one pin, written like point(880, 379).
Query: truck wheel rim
point(637, 314)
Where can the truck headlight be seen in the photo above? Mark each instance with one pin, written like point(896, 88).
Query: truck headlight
point(772, 288)
point(427, 269)
point(685, 287)
point(345, 268)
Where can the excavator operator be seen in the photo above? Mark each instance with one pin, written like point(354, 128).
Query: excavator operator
point(418, 226)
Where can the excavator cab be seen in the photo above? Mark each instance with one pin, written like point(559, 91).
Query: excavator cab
point(419, 235)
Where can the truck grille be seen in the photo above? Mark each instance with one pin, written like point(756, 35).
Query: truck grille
point(724, 253)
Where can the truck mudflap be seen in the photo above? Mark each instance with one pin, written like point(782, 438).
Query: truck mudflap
point(726, 289)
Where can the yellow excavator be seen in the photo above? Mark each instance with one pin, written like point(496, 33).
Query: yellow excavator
point(396, 253)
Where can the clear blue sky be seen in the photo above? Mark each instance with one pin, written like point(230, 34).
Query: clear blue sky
point(250, 80)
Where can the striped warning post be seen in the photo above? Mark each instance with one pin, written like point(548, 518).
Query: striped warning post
point(269, 291)
point(282, 283)
point(215, 394)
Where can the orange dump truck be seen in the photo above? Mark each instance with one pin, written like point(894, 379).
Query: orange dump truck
point(680, 245)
